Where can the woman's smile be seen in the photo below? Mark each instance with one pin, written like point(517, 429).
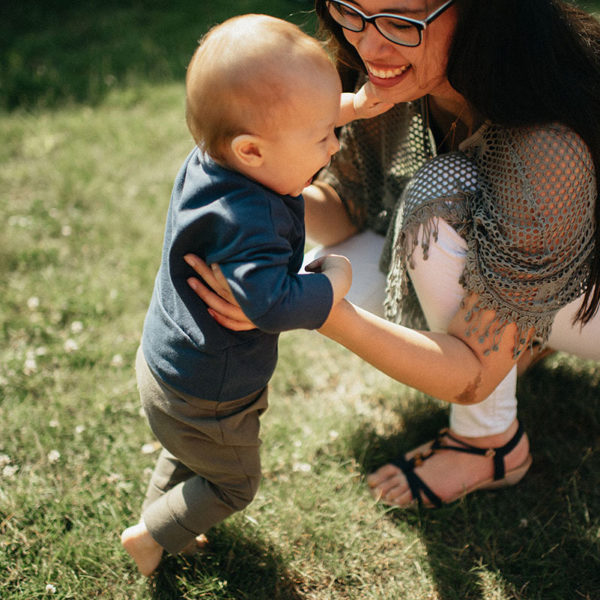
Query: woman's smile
point(385, 76)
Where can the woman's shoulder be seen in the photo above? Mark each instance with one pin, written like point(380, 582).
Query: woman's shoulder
point(536, 143)
point(538, 178)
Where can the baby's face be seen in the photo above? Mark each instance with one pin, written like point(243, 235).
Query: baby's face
point(304, 140)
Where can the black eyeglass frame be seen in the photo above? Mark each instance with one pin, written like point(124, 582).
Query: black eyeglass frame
point(420, 26)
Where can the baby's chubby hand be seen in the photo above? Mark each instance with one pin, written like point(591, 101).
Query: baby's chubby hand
point(367, 104)
point(337, 269)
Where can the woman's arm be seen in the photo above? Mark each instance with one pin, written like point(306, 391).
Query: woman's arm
point(327, 220)
point(450, 366)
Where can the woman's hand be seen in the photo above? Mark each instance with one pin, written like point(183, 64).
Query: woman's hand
point(215, 291)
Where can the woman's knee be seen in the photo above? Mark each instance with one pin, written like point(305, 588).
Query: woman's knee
point(436, 279)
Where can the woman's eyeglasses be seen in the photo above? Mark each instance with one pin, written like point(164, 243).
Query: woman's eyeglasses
point(403, 31)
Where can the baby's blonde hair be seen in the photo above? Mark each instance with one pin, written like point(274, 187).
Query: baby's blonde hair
point(243, 76)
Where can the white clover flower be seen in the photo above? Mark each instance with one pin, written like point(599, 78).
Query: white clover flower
point(33, 303)
point(53, 456)
point(54, 423)
point(50, 589)
point(301, 467)
point(41, 351)
point(150, 447)
point(4, 460)
point(20, 221)
point(76, 327)
point(10, 471)
point(66, 230)
point(30, 366)
point(79, 429)
point(71, 346)
point(117, 361)
point(333, 435)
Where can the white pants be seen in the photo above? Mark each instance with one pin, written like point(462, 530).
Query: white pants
point(436, 282)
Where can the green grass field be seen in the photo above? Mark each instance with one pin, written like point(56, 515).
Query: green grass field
point(93, 132)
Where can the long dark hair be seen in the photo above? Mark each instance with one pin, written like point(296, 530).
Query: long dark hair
point(519, 63)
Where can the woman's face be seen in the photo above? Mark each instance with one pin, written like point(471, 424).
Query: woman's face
point(401, 73)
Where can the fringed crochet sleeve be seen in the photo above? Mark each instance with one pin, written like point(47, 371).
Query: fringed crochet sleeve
point(376, 160)
point(523, 199)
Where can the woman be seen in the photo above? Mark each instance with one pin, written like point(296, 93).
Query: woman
point(499, 241)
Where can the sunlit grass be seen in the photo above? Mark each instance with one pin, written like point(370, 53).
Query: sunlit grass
point(84, 197)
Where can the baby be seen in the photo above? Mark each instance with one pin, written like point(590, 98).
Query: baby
point(263, 100)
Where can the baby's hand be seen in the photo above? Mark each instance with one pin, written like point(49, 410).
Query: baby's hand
point(337, 269)
point(366, 103)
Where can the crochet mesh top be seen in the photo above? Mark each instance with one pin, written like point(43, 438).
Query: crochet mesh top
point(522, 198)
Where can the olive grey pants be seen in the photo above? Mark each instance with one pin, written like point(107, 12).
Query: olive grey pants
point(209, 467)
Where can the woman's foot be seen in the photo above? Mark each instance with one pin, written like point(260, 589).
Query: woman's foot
point(449, 474)
point(142, 547)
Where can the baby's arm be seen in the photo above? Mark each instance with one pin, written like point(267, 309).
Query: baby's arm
point(338, 270)
point(364, 104)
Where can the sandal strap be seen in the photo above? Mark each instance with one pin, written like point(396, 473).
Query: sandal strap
point(497, 454)
point(418, 486)
point(415, 483)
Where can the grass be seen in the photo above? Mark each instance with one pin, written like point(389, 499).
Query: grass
point(86, 166)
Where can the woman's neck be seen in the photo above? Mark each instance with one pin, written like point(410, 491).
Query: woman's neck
point(451, 119)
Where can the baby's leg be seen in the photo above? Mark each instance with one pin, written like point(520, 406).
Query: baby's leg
point(193, 506)
point(216, 472)
point(142, 547)
point(168, 472)
point(137, 540)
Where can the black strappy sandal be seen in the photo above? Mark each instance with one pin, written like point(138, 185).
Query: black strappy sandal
point(501, 477)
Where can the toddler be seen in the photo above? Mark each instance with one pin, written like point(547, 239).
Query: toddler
point(262, 102)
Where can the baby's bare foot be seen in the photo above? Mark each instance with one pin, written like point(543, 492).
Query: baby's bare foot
point(142, 547)
point(198, 543)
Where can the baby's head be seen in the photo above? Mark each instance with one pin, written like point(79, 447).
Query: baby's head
point(256, 79)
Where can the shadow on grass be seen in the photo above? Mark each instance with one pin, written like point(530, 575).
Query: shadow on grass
point(60, 51)
point(540, 539)
point(236, 565)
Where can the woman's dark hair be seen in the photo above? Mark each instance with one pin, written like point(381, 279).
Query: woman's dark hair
point(529, 63)
point(349, 63)
point(519, 63)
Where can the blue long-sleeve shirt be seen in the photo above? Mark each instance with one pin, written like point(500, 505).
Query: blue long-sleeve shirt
point(257, 238)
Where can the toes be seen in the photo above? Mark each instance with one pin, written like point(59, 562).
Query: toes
point(388, 484)
point(397, 495)
point(383, 474)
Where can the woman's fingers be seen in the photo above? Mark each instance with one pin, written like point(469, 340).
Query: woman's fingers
point(214, 301)
point(223, 288)
point(216, 293)
point(201, 268)
point(226, 314)
point(230, 323)
point(212, 276)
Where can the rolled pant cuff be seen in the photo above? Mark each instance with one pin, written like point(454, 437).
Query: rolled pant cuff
point(164, 527)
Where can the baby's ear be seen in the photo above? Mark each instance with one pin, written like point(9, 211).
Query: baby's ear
point(248, 149)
